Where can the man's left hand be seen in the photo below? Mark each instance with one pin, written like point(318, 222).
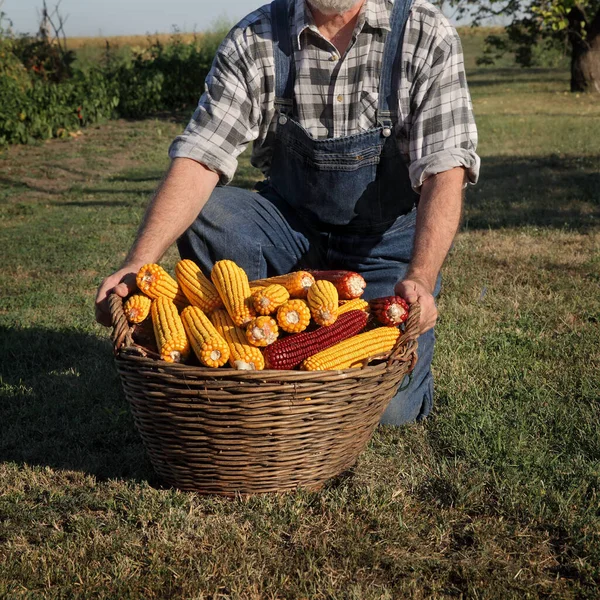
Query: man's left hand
point(414, 290)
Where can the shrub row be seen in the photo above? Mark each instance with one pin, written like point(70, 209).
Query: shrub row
point(37, 104)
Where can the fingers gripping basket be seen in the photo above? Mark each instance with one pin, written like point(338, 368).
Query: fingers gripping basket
point(227, 432)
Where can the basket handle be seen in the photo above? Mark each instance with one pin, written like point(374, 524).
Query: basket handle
point(121, 333)
point(403, 347)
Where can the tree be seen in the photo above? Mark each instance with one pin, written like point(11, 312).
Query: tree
point(571, 24)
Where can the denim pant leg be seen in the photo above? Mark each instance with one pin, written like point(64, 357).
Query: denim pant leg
point(383, 260)
point(259, 233)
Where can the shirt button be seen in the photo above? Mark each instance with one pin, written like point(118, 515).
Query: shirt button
point(333, 57)
point(340, 98)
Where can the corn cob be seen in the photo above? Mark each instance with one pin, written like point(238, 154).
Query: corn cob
point(171, 340)
point(354, 351)
point(155, 282)
point(231, 282)
point(254, 289)
point(348, 283)
point(197, 288)
point(210, 347)
point(323, 302)
point(293, 316)
point(267, 300)
point(241, 354)
point(137, 308)
point(356, 304)
point(289, 352)
point(262, 331)
point(389, 310)
point(297, 283)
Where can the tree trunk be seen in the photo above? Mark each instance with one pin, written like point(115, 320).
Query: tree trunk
point(585, 54)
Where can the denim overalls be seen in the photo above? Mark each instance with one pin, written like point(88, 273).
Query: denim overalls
point(338, 203)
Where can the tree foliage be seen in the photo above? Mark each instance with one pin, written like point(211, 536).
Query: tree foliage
point(541, 26)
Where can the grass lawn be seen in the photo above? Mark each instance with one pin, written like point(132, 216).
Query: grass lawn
point(495, 496)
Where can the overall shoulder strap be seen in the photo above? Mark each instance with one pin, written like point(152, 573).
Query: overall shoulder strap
point(388, 95)
point(283, 54)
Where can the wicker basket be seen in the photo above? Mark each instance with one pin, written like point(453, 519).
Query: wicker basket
point(224, 431)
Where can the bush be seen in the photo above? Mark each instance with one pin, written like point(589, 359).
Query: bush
point(43, 94)
point(165, 77)
point(43, 110)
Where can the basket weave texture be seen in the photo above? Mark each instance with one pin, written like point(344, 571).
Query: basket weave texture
point(227, 432)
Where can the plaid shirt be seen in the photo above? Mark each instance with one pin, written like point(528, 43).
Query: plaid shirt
point(337, 96)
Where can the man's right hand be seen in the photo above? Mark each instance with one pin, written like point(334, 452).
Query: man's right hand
point(122, 283)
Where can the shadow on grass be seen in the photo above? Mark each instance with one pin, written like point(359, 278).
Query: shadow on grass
point(502, 76)
point(62, 406)
point(541, 192)
point(90, 203)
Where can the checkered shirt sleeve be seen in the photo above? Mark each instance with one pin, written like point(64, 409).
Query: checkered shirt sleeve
point(436, 127)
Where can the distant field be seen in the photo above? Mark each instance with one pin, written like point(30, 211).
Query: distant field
point(89, 50)
point(496, 496)
point(133, 41)
point(140, 41)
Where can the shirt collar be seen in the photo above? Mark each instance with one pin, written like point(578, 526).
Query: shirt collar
point(375, 13)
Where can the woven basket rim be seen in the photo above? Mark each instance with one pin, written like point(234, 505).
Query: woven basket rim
point(124, 348)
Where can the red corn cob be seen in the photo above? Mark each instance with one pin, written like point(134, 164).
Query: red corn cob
point(390, 310)
point(348, 283)
point(289, 352)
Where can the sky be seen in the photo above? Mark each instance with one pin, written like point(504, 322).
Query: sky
point(129, 17)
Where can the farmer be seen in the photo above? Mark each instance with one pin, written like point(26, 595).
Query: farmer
point(362, 125)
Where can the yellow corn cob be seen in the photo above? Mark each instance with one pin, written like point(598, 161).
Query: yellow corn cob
point(254, 289)
point(155, 282)
point(323, 302)
point(269, 299)
point(137, 308)
point(198, 289)
point(293, 316)
point(297, 283)
point(353, 351)
point(241, 354)
point(170, 335)
point(232, 284)
point(209, 346)
point(356, 304)
point(262, 331)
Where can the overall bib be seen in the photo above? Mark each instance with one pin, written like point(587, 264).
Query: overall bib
point(336, 203)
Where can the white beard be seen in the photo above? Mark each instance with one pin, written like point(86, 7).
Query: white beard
point(333, 7)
